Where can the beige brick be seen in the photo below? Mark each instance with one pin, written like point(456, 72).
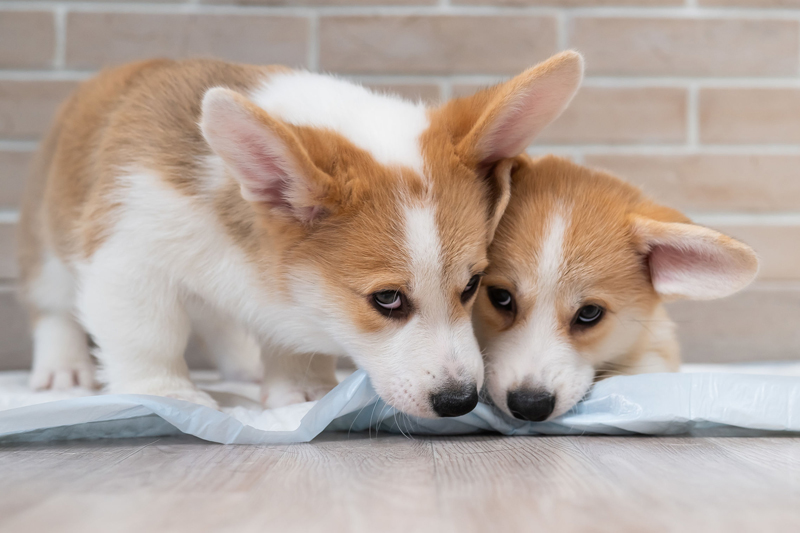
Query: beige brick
point(435, 44)
point(707, 183)
point(425, 92)
point(686, 47)
point(628, 115)
point(101, 39)
point(27, 40)
point(27, 107)
point(573, 3)
point(753, 116)
point(758, 324)
point(13, 169)
point(8, 254)
point(15, 339)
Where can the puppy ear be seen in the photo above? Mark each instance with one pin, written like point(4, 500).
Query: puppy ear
point(501, 121)
point(265, 157)
point(690, 261)
point(500, 183)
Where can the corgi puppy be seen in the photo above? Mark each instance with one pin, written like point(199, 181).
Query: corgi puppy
point(303, 210)
point(580, 268)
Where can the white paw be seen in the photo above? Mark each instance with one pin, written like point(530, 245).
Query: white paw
point(75, 375)
point(275, 395)
point(194, 396)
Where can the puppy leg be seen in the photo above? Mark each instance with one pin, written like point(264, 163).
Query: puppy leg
point(141, 327)
point(235, 350)
point(296, 378)
point(60, 346)
point(60, 354)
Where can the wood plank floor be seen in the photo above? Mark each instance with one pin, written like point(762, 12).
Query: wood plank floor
point(357, 483)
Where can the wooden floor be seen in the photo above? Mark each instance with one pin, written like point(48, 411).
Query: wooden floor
point(357, 483)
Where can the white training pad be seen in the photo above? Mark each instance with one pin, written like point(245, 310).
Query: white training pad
point(701, 400)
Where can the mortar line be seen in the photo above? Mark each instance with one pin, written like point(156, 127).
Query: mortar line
point(692, 117)
point(313, 42)
point(9, 216)
point(60, 26)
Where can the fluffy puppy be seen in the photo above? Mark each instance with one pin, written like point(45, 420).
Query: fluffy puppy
point(261, 202)
point(580, 268)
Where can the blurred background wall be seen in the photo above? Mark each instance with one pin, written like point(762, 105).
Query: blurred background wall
point(698, 101)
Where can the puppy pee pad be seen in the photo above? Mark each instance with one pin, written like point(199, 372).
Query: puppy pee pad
point(701, 400)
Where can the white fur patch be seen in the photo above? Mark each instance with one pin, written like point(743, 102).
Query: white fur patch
point(387, 127)
point(54, 289)
point(551, 254)
point(444, 344)
point(425, 249)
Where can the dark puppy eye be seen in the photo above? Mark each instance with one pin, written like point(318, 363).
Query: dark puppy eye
point(470, 289)
point(501, 299)
point(392, 304)
point(588, 315)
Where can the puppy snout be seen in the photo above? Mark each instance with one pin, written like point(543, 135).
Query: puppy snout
point(531, 405)
point(455, 399)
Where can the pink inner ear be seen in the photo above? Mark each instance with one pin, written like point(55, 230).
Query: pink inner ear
point(513, 130)
point(270, 181)
point(264, 172)
point(690, 270)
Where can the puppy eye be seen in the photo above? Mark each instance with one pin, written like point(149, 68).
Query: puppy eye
point(470, 289)
point(501, 299)
point(589, 315)
point(392, 304)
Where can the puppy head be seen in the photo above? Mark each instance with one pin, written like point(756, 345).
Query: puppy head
point(384, 257)
point(579, 267)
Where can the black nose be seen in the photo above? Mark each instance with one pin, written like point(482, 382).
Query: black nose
point(455, 399)
point(531, 405)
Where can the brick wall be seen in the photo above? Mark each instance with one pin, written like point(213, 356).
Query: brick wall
point(696, 100)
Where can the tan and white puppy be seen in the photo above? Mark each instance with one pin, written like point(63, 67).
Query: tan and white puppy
point(580, 267)
point(322, 218)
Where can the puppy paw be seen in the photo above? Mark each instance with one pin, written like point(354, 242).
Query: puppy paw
point(282, 394)
point(46, 377)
